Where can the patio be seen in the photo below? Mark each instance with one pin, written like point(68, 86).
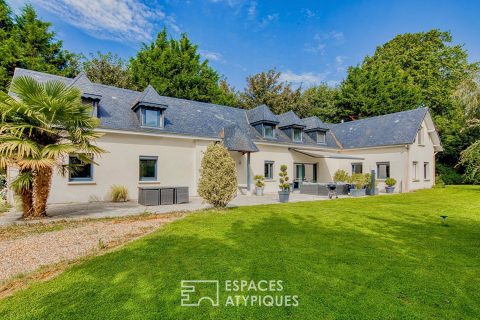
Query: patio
point(120, 209)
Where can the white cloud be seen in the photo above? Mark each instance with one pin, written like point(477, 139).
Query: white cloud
point(119, 20)
point(269, 18)
point(306, 78)
point(252, 10)
point(340, 63)
point(321, 40)
point(211, 55)
point(309, 13)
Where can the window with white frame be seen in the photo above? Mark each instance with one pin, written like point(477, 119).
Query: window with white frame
point(321, 137)
point(426, 171)
point(268, 169)
point(420, 136)
point(79, 169)
point(357, 167)
point(383, 170)
point(297, 135)
point(148, 168)
point(268, 131)
point(152, 118)
point(415, 170)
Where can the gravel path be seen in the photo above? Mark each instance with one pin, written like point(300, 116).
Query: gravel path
point(28, 253)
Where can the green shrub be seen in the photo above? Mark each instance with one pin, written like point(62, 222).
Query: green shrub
point(368, 180)
point(119, 193)
point(439, 182)
point(341, 176)
point(390, 182)
point(448, 174)
point(218, 176)
point(284, 183)
point(470, 160)
point(359, 180)
point(259, 181)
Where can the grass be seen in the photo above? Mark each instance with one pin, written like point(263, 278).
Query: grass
point(384, 257)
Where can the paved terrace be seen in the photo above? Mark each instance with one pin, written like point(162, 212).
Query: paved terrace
point(120, 209)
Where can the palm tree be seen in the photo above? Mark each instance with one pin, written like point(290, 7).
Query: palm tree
point(40, 127)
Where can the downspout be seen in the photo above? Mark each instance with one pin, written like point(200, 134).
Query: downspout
point(248, 171)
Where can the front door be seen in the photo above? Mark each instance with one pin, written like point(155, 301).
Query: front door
point(299, 174)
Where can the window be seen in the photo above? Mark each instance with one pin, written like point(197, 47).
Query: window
point(297, 135)
point(152, 118)
point(426, 171)
point(321, 137)
point(148, 168)
point(383, 170)
point(415, 170)
point(268, 169)
point(357, 167)
point(420, 136)
point(79, 170)
point(268, 131)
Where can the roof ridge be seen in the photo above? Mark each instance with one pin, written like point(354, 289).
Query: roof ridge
point(382, 115)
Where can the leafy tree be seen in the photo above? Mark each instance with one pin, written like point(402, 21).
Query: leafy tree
point(218, 176)
point(412, 70)
point(174, 69)
point(28, 42)
point(108, 69)
point(38, 130)
point(321, 101)
point(228, 95)
point(266, 88)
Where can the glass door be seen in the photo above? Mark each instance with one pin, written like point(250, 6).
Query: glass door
point(299, 174)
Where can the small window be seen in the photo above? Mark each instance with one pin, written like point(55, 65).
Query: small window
point(321, 137)
point(357, 167)
point(268, 131)
point(79, 170)
point(268, 169)
point(152, 118)
point(426, 171)
point(297, 135)
point(148, 168)
point(383, 170)
point(420, 136)
point(415, 170)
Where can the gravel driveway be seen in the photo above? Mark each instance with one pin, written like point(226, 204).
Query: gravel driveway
point(27, 252)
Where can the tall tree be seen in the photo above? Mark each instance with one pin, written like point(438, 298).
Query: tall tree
point(412, 70)
point(28, 42)
point(108, 69)
point(174, 69)
point(266, 88)
point(38, 130)
point(321, 101)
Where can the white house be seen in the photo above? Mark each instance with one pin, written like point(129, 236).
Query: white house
point(154, 140)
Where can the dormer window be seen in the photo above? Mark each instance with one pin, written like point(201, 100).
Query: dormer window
point(268, 131)
point(152, 118)
point(297, 135)
point(321, 137)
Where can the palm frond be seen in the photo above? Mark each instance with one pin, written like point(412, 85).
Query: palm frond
point(22, 181)
point(36, 164)
point(54, 151)
point(11, 146)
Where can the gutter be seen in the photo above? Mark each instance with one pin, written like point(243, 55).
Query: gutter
point(158, 135)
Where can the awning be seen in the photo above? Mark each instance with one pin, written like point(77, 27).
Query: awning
point(324, 154)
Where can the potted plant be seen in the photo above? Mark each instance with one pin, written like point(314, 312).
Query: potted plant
point(390, 185)
point(284, 185)
point(358, 181)
point(259, 184)
point(341, 179)
point(368, 179)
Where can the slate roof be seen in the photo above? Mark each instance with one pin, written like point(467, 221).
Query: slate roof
point(82, 82)
point(149, 98)
point(290, 119)
point(236, 139)
point(192, 118)
point(261, 113)
point(390, 129)
point(314, 123)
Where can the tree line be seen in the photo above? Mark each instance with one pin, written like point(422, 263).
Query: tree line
point(407, 72)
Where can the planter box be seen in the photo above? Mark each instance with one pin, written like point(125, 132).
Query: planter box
point(283, 196)
point(358, 192)
point(389, 189)
point(258, 191)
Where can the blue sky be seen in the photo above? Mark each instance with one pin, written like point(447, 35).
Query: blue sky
point(308, 41)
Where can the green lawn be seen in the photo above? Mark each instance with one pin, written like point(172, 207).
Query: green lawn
point(384, 257)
